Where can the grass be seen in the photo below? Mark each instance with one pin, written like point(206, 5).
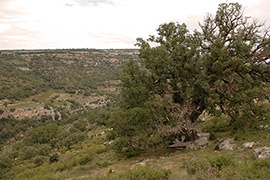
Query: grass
point(96, 161)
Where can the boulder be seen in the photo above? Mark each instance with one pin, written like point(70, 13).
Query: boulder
point(203, 139)
point(262, 153)
point(249, 144)
point(227, 144)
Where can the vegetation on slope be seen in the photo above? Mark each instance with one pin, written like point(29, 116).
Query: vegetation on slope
point(221, 71)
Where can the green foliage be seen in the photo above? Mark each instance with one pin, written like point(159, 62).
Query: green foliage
point(29, 152)
point(43, 135)
point(5, 167)
point(5, 162)
point(217, 124)
point(99, 115)
point(74, 138)
point(222, 70)
point(79, 125)
point(38, 160)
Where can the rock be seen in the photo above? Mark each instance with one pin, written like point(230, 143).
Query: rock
point(203, 139)
point(262, 153)
point(262, 127)
point(249, 144)
point(227, 144)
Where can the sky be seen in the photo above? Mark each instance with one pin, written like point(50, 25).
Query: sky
point(102, 24)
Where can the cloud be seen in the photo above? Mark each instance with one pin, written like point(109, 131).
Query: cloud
point(100, 23)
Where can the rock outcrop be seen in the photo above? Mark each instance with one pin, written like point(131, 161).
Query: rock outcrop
point(37, 112)
point(203, 139)
point(262, 153)
point(227, 144)
point(249, 144)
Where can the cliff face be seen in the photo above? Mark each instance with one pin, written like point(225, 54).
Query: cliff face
point(37, 112)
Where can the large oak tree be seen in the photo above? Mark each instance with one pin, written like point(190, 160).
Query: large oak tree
point(222, 69)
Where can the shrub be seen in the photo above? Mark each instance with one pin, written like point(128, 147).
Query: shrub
point(29, 152)
point(5, 162)
point(124, 147)
point(38, 160)
point(64, 166)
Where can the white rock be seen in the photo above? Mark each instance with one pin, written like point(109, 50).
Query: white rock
point(249, 144)
point(202, 141)
point(262, 153)
point(227, 145)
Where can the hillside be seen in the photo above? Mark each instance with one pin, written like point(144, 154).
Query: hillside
point(56, 112)
point(49, 90)
point(29, 72)
point(60, 78)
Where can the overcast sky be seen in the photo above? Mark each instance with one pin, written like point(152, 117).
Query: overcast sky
point(43, 24)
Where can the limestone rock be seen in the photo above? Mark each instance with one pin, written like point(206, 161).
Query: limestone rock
point(227, 144)
point(249, 144)
point(264, 127)
point(262, 153)
point(203, 139)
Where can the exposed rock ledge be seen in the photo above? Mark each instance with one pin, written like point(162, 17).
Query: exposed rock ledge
point(37, 112)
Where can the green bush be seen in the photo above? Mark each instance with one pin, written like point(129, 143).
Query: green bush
point(217, 124)
point(62, 166)
point(124, 147)
point(29, 152)
point(5, 162)
point(38, 160)
point(5, 168)
point(84, 159)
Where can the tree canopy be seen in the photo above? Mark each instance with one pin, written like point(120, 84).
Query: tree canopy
point(221, 69)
